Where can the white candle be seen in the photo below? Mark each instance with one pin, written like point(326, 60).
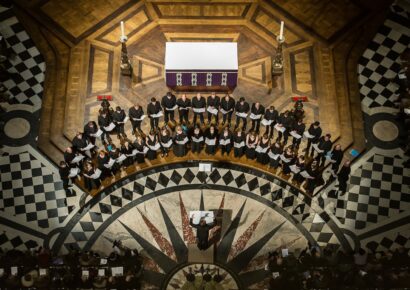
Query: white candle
point(122, 29)
point(282, 25)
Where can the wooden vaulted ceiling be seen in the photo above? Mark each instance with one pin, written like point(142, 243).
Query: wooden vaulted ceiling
point(325, 20)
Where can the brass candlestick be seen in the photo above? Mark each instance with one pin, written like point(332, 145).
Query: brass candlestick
point(126, 68)
point(277, 65)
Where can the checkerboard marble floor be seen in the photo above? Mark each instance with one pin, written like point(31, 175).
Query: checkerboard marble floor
point(26, 65)
point(380, 64)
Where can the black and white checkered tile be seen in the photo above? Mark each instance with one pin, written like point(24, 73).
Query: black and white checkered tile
point(32, 193)
point(379, 189)
point(11, 239)
point(380, 62)
point(282, 194)
point(26, 65)
point(389, 241)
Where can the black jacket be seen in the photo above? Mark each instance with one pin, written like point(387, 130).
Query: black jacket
point(324, 145)
point(168, 103)
point(134, 113)
point(214, 102)
point(201, 103)
point(90, 130)
point(104, 122)
point(202, 232)
point(227, 105)
point(184, 104)
point(242, 108)
point(259, 111)
point(299, 128)
point(317, 132)
point(118, 116)
point(153, 108)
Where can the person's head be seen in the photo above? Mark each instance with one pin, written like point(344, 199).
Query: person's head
point(103, 113)
point(271, 108)
point(196, 130)
point(277, 144)
point(118, 108)
point(178, 129)
point(152, 132)
point(213, 95)
point(301, 158)
point(126, 143)
point(299, 121)
point(212, 128)
point(79, 135)
point(289, 150)
point(226, 97)
point(242, 100)
point(316, 124)
point(202, 222)
point(164, 131)
point(91, 124)
point(183, 97)
point(69, 150)
point(226, 130)
point(169, 95)
point(257, 104)
point(137, 106)
point(63, 164)
point(198, 95)
point(286, 113)
point(347, 163)
point(338, 147)
point(265, 137)
point(101, 153)
point(139, 139)
point(327, 137)
point(153, 100)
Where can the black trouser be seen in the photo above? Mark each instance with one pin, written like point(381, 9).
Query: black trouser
point(296, 142)
point(227, 116)
point(226, 149)
point(210, 118)
point(342, 185)
point(105, 136)
point(202, 244)
point(136, 125)
point(164, 150)
point(238, 120)
point(270, 129)
point(321, 158)
point(120, 128)
point(168, 115)
point(285, 136)
point(309, 143)
point(183, 116)
point(65, 183)
point(201, 117)
point(255, 125)
point(154, 122)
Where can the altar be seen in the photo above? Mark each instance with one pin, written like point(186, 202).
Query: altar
point(201, 66)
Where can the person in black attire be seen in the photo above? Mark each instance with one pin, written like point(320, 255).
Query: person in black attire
point(313, 171)
point(202, 233)
point(225, 141)
point(79, 142)
point(135, 113)
point(298, 128)
point(90, 128)
point(168, 103)
point(213, 102)
point(270, 118)
point(336, 156)
point(183, 109)
point(104, 120)
point(197, 140)
point(286, 121)
point(316, 132)
point(114, 153)
point(343, 177)
point(211, 139)
point(227, 107)
point(165, 140)
point(102, 160)
point(89, 182)
point(325, 145)
point(257, 111)
point(126, 149)
point(198, 106)
point(153, 108)
point(118, 118)
point(69, 156)
point(180, 142)
point(64, 171)
point(239, 144)
point(242, 107)
point(139, 145)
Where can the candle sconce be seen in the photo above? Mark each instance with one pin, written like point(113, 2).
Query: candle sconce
point(126, 68)
point(277, 64)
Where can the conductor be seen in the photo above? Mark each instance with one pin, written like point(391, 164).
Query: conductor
point(202, 232)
